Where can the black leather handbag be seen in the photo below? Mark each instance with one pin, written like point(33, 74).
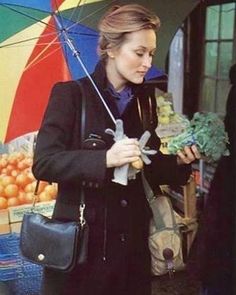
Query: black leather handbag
point(55, 244)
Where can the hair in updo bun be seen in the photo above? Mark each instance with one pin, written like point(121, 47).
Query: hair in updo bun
point(120, 20)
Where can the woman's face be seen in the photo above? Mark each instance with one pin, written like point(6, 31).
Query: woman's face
point(131, 61)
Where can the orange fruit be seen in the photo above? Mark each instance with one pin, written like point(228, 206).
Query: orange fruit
point(7, 179)
point(1, 190)
point(14, 173)
point(44, 197)
point(13, 202)
point(9, 169)
point(3, 163)
point(29, 188)
point(29, 198)
point(21, 165)
point(51, 189)
point(22, 180)
point(21, 197)
point(20, 156)
point(42, 185)
point(28, 161)
point(11, 190)
point(12, 159)
point(4, 171)
point(29, 174)
point(3, 203)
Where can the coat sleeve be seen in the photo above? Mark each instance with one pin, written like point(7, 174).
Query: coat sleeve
point(54, 159)
point(164, 169)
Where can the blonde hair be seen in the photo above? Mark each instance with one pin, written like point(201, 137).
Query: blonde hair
point(120, 20)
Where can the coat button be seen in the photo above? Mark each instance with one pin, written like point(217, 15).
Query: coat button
point(122, 238)
point(123, 203)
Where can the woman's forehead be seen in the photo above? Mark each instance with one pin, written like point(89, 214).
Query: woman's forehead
point(144, 39)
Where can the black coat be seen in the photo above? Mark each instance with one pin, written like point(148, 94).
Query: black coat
point(212, 258)
point(118, 216)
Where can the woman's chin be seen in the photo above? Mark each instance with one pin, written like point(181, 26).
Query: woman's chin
point(137, 80)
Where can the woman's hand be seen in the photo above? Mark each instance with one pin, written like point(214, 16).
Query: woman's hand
point(123, 152)
point(188, 155)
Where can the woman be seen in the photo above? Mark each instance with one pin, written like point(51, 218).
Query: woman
point(118, 215)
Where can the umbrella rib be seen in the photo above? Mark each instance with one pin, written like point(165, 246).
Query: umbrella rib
point(87, 16)
point(38, 44)
point(74, 10)
point(79, 12)
point(26, 15)
point(36, 58)
point(35, 62)
point(83, 34)
point(25, 40)
point(99, 9)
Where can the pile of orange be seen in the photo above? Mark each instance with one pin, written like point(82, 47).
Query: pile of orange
point(17, 183)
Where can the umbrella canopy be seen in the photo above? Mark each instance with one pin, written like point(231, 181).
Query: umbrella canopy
point(34, 54)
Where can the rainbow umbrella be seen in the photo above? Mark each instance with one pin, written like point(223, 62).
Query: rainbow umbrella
point(35, 52)
point(34, 55)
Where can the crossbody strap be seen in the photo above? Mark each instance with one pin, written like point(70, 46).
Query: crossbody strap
point(82, 136)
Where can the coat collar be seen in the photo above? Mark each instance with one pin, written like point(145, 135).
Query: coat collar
point(99, 75)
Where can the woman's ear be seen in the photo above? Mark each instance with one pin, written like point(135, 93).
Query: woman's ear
point(110, 53)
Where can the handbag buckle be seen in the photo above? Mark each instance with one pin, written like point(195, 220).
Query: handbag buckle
point(81, 217)
point(41, 257)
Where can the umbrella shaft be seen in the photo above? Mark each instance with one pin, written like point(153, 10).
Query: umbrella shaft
point(95, 87)
point(76, 54)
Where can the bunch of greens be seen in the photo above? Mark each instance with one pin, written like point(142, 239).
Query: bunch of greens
point(207, 132)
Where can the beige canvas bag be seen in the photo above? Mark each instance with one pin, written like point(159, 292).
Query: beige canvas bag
point(165, 239)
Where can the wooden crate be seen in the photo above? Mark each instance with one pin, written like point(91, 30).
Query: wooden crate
point(185, 203)
point(11, 218)
point(4, 222)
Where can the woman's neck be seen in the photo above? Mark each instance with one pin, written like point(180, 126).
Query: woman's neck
point(114, 78)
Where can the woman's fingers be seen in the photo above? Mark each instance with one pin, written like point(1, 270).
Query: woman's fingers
point(196, 152)
point(123, 152)
point(188, 155)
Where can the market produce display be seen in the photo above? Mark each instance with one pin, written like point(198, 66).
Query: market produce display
point(166, 113)
point(17, 183)
point(170, 123)
point(207, 131)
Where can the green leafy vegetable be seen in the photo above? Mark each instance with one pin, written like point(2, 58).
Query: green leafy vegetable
point(207, 132)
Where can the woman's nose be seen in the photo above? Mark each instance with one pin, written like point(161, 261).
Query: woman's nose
point(147, 61)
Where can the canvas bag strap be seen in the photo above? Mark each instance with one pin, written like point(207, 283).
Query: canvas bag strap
point(159, 207)
point(149, 193)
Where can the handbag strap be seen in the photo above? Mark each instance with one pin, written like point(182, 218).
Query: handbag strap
point(82, 136)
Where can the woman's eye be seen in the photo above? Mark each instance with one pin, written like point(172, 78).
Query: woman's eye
point(139, 54)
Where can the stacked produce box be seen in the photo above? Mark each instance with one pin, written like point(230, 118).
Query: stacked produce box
point(17, 186)
point(170, 123)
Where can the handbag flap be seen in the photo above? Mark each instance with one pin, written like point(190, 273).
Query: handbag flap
point(48, 242)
